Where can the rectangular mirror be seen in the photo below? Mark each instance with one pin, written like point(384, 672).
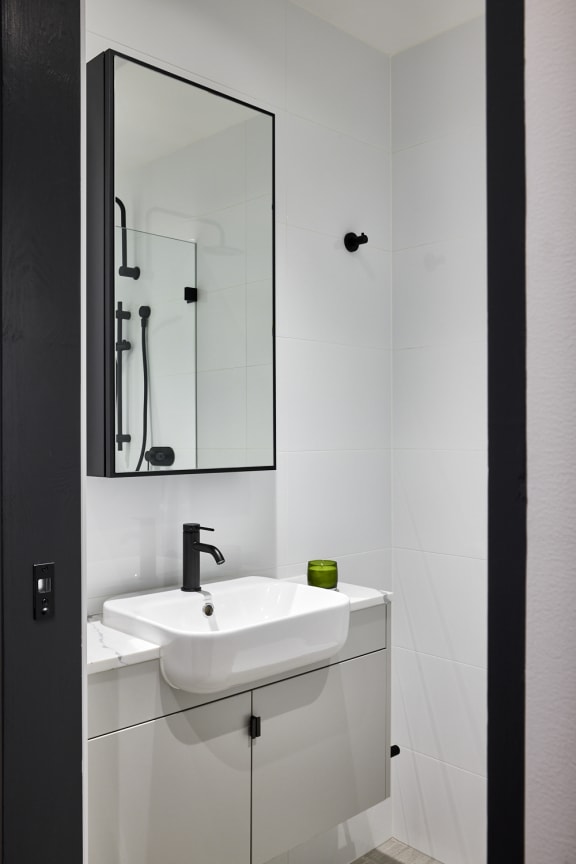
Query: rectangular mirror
point(180, 255)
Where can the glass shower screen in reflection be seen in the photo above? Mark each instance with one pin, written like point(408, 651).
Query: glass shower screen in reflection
point(189, 212)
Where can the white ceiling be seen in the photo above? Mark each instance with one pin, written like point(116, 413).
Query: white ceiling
point(393, 25)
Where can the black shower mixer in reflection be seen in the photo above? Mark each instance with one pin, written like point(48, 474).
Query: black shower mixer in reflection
point(124, 270)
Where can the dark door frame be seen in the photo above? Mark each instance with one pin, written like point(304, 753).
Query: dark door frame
point(40, 670)
point(506, 429)
point(41, 663)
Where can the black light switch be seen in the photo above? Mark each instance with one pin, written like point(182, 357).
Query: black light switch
point(43, 588)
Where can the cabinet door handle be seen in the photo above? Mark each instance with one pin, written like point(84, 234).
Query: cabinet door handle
point(255, 726)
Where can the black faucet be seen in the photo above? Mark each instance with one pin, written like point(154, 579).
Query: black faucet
point(192, 549)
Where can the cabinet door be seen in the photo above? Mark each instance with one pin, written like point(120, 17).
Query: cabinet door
point(173, 790)
point(322, 756)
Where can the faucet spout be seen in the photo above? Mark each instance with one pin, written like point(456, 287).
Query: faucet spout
point(212, 550)
point(191, 555)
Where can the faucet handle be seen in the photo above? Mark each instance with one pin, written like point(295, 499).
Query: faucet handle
point(195, 526)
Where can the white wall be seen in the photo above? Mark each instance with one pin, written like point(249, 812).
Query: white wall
point(331, 494)
point(439, 441)
point(551, 363)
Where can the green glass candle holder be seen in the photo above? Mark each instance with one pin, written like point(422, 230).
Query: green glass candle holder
point(322, 573)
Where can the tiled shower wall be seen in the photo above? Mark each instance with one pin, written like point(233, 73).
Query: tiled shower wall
point(331, 494)
point(439, 445)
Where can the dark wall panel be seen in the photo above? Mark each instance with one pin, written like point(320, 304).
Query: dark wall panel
point(40, 428)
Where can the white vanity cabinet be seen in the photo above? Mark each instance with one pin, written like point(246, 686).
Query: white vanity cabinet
point(173, 790)
point(175, 778)
point(323, 753)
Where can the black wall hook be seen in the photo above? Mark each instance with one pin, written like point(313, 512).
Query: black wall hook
point(353, 241)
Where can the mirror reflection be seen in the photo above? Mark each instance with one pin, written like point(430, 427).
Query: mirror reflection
point(193, 276)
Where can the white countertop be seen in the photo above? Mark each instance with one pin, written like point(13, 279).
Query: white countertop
point(107, 648)
point(360, 596)
point(111, 649)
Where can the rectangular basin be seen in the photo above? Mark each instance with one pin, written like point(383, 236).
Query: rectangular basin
point(259, 627)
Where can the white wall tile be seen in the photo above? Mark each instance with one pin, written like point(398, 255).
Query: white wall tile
point(352, 96)
point(281, 161)
point(333, 397)
point(259, 458)
point(346, 297)
point(439, 86)
point(410, 823)
point(451, 825)
point(372, 569)
point(134, 527)
point(221, 331)
point(238, 458)
point(259, 408)
point(439, 709)
point(439, 410)
point(439, 294)
point(172, 413)
point(336, 184)
point(259, 221)
point(206, 177)
point(259, 314)
point(218, 458)
point(228, 227)
point(440, 190)
point(332, 504)
point(440, 501)
point(171, 340)
point(440, 397)
point(259, 156)
point(280, 264)
point(440, 606)
point(221, 409)
point(143, 571)
point(227, 43)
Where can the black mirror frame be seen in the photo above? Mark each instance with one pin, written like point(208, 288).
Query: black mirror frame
point(100, 310)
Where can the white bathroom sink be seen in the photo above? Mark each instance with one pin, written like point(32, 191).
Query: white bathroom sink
point(259, 627)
